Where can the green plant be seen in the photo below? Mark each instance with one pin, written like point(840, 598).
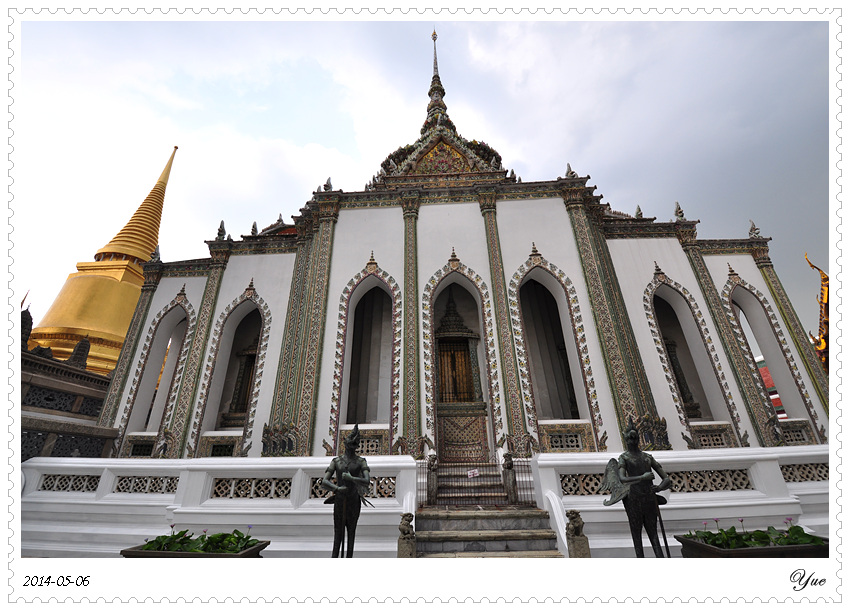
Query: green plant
point(219, 543)
point(731, 538)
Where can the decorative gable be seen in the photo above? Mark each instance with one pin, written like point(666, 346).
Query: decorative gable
point(442, 159)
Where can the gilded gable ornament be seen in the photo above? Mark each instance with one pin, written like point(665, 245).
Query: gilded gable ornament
point(442, 159)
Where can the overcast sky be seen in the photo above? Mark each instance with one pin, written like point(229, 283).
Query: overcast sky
point(730, 119)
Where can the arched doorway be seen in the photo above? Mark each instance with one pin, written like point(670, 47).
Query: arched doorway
point(462, 417)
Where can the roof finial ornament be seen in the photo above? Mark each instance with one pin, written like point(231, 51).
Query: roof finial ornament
point(434, 38)
point(570, 172)
point(254, 228)
point(638, 213)
point(221, 232)
point(680, 214)
point(436, 107)
point(755, 232)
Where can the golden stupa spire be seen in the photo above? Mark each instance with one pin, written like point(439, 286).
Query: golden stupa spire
point(140, 236)
point(97, 302)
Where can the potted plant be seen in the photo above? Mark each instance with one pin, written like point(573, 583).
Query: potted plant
point(794, 542)
point(183, 545)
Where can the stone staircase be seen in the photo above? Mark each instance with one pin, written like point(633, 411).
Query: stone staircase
point(454, 484)
point(484, 531)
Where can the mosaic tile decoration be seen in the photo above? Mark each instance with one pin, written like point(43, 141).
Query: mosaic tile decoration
point(660, 278)
point(536, 261)
point(518, 438)
point(734, 282)
point(346, 309)
point(244, 443)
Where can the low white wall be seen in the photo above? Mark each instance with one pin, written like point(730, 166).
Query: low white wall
point(769, 503)
point(100, 522)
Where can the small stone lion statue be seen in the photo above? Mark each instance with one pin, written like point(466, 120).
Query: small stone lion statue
point(406, 526)
point(575, 528)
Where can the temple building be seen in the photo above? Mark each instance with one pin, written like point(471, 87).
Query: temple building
point(457, 315)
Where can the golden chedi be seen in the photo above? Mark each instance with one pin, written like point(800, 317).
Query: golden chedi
point(99, 299)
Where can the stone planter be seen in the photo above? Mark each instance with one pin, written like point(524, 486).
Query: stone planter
point(138, 552)
point(692, 548)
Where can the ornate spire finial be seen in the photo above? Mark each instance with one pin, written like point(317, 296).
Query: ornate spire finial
point(434, 38)
point(437, 114)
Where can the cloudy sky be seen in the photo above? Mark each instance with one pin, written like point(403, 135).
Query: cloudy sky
point(731, 119)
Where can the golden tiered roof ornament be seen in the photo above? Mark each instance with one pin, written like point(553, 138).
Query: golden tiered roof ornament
point(441, 157)
point(821, 342)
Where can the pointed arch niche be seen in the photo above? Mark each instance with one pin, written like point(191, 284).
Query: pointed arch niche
point(462, 399)
point(746, 307)
point(558, 389)
point(158, 373)
point(695, 377)
point(227, 401)
point(367, 363)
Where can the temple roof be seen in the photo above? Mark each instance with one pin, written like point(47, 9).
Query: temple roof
point(441, 156)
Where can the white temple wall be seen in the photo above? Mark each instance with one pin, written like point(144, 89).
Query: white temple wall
point(358, 232)
point(634, 261)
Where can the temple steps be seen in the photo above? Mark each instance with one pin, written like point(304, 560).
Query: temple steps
point(485, 531)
